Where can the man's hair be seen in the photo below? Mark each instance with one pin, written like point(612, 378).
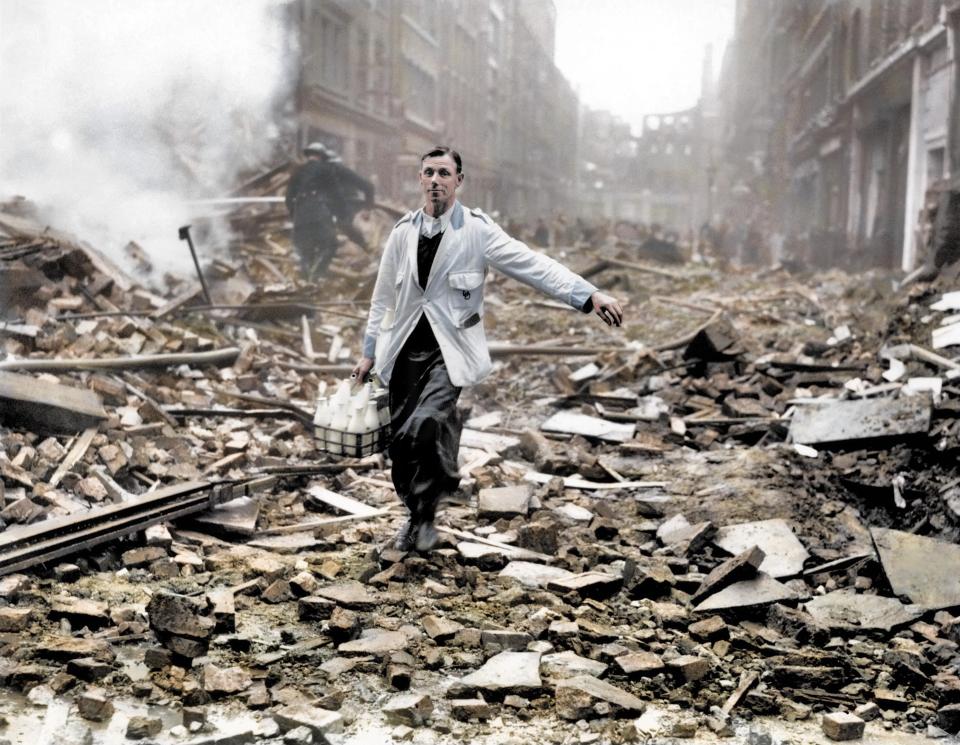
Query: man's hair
point(439, 151)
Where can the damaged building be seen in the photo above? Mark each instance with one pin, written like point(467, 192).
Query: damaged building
point(837, 121)
point(384, 80)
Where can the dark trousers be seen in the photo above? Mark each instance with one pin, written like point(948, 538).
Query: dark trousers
point(426, 427)
point(316, 243)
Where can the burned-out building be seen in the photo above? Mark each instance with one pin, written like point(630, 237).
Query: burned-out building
point(662, 176)
point(835, 125)
point(667, 165)
point(607, 153)
point(383, 81)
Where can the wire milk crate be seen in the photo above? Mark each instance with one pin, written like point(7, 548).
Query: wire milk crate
point(353, 426)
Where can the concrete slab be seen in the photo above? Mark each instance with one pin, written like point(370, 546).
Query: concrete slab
point(923, 569)
point(761, 590)
point(576, 697)
point(845, 610)
point(569, 664)
point(862, 419)
point(504, 501)
point(784, 555)
point(529, 574)
point(507, 672)
point(588, 426)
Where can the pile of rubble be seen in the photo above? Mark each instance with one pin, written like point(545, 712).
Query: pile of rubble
point(738, 510)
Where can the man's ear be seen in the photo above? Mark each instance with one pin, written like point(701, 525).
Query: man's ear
point(459, 179)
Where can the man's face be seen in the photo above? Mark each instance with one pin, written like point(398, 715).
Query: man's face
point(439, 179)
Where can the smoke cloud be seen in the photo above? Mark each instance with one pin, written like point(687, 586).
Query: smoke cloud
point(114, 114)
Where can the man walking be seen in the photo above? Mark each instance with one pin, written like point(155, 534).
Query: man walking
point(431, 283)
point(317, 195)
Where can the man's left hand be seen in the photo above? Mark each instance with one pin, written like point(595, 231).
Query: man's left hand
point(607, 308)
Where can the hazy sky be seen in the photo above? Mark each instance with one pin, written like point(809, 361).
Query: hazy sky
point(636, 57)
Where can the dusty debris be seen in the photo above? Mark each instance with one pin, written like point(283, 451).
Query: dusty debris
point(581, 570)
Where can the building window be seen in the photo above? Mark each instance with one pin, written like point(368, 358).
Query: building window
point(421, 91)
point(936, 160)
point(332, 52)
point(378, 83)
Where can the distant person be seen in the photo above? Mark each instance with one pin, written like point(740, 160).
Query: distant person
point(316, 197)
point(541, 234)
point(352, 185)
point(431, 280)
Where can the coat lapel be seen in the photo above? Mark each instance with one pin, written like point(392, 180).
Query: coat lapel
point(412, 241)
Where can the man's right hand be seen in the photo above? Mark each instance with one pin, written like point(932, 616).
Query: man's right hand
point(362, 369)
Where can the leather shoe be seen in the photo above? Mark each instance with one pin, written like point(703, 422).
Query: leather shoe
point(426, 536)
point(406, 537)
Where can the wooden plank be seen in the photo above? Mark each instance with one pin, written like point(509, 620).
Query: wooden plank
point(319, 524)
point(474, 438)
point(341, 502)
point(747, 681)
point(76, 453)
point(578, 482)
point(308, 349)
point(505, 349)
point(177, 302)
point(39, 404)
point(216, 357)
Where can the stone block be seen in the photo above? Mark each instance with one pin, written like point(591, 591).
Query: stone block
point(841, 725)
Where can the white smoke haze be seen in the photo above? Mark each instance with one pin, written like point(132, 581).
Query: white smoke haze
point(114, 114)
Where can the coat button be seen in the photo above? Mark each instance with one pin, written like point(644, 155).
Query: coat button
point(466, 294)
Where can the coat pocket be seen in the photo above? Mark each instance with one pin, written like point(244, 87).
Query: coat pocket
point(466, 288)
point(465, 293)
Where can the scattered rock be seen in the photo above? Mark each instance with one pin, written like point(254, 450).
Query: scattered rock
point(507, 672)
point(468, 709)
point(741, 567)
point(412, 709)
point(142, 727)
point(506, 501)
point(94, 705)
point(842, 726)
point(318, 721)
point(376, 642)
point(586, 697)
point(225, 681)
point(441, 630)
point(596, 585)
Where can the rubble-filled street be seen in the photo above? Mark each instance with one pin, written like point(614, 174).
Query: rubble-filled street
point(732, 519)
point(480, 372)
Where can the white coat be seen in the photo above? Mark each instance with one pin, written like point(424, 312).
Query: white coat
point(453, 297)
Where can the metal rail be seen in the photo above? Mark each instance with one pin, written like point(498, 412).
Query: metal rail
point(22, 548)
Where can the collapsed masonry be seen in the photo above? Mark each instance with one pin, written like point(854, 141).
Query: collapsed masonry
point(738, 517)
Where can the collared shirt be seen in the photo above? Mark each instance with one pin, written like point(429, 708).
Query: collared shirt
point(430, 226)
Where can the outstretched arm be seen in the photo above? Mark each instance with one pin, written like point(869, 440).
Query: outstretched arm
point(519, 261)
